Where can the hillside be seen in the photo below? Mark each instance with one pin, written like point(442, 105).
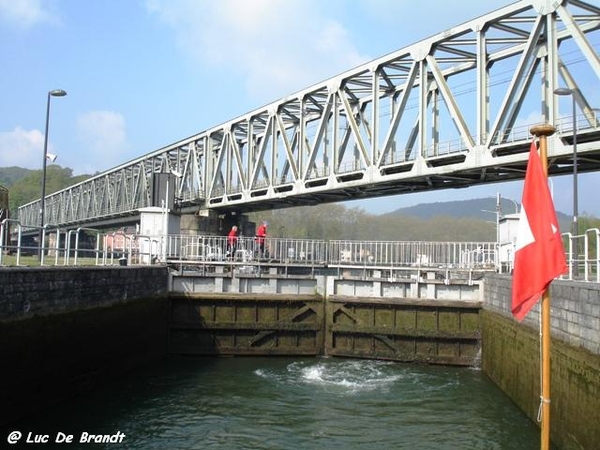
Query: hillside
point(10, 175)
point(24, 185)
point(478, 208)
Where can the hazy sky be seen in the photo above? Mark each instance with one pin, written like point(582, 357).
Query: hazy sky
point(142, 74)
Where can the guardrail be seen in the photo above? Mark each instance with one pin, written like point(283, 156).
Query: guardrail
point(582, 251)
point(583, 255)
point(386, 254)
point(246, 250)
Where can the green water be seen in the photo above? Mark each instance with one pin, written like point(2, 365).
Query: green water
point(291, 403)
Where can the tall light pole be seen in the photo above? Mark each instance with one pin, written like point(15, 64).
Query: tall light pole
point(53, 93)
point(575, 224)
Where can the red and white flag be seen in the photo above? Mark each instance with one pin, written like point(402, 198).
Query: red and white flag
point(539, 253)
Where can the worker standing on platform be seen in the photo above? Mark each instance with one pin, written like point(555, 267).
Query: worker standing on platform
point(232, 239)
point(261, 234)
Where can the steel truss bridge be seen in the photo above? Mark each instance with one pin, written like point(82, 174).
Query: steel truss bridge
point(450, 111)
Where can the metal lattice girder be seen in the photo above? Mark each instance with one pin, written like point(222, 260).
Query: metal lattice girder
point(450, 111)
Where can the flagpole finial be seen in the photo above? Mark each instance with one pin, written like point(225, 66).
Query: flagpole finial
point(542, 130)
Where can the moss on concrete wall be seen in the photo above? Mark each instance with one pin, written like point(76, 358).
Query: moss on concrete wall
point(510, 358)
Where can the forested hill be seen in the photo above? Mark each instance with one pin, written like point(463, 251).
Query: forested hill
point(24, 185)
point(477, 208)
point(10, 175)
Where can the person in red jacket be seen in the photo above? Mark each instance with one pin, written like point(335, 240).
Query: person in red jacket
point(261, 234)
point(232, 239)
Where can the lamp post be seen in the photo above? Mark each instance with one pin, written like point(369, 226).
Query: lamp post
point(53, 93)
point(575, 224)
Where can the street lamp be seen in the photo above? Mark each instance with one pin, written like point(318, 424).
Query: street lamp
point(575, 224)
point(53, 93)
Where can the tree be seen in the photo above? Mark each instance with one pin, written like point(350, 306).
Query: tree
point(336, 222)
point(29, 187)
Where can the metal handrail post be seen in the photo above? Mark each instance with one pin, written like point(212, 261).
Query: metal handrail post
point(97, 247)
point(104, 250)
point(68, 247)
point(2, 227)
point(5, 229)
point(569, 252)
point(43, 245)
point(76, 247)
point(57, 247)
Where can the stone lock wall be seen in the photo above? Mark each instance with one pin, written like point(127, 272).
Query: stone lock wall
point(511, 358)
point(64, 330)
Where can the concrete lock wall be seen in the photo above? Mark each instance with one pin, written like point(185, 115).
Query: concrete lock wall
point(64, 330)
point(25, 292)
point(511, 358)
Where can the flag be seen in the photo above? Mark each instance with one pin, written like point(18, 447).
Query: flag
point(539, 252)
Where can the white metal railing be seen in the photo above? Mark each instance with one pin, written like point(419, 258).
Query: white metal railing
point(583, 255)
point(120, 245)
point(85, 251)
point(582, 251)
point(17, 247)
point(391, 254)
point(218, 249)
point(591, 255)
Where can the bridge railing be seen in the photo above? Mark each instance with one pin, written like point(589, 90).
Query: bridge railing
point(390, 254)
point(246, 250)
point(583, 255)
point(61, 246)
point(591, 255)
point(16, 246)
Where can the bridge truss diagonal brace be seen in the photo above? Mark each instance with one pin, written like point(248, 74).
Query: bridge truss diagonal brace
point(529, 52)
point(350, 115)
point(579, 37)
point(314, 150)
point(290, 162)
point(457, 117)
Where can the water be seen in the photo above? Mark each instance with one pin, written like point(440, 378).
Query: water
point(291, 403)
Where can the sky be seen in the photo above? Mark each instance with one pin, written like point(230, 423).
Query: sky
point(143, 74)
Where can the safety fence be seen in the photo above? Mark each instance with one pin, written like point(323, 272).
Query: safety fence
point(583, 255)
point(453, 255)
point(54, 246)
point(215, 249)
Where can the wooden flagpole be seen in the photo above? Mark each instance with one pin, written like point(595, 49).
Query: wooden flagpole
point(542, 132)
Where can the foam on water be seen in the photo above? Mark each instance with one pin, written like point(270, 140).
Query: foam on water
point(349, 375)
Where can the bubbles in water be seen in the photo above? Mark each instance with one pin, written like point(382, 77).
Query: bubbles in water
point(347, 375)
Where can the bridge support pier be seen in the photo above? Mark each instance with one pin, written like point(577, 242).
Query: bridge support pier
point(204, 222)
point(207, 222)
